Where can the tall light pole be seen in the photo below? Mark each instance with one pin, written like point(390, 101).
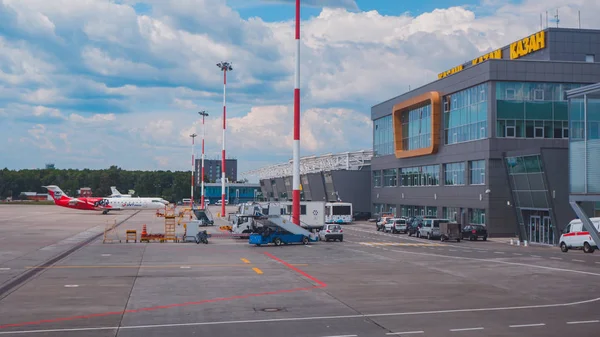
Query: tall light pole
point(224, 66)
point(203, 114)
point(193, 135)
point(296, 157)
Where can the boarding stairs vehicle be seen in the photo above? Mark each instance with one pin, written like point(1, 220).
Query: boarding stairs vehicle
point(279, 231)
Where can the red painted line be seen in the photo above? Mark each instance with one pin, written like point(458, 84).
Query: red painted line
point(320, 283)
point(175, 305)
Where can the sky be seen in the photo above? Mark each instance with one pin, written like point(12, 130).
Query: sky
point(95, 83)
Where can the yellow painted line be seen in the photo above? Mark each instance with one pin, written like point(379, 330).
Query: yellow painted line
point(258, 271)
point(245, 260)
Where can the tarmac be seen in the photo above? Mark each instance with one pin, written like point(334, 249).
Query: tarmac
point(371, 284)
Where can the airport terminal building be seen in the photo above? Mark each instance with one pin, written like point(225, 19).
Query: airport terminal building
point(487, 142)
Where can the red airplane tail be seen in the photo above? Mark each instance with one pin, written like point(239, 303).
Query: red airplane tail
point(56, 193)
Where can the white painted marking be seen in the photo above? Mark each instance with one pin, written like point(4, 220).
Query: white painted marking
point(467, 329)
point(578, 260)
point(315, 318)
point(58, 330)
point(518, 254)
point(499, 252)
point(584, 322)
point(452, 250)
point(526, 325)
point(535, 256)
point(596, 262)
point(404, 333)
point(343, 336)
point(71, 285)
point(106, 254)
point(556, 258)
point(185, 267)
point(4, 268)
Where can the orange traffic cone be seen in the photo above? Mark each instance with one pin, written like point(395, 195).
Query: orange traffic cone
point(144, 233)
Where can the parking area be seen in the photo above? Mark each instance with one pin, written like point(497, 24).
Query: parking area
point(371, 284)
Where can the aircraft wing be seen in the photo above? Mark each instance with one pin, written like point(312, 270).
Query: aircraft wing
point(73, 202)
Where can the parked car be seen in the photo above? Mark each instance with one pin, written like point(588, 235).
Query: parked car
point(473, 232)
point(399, 226)
point(431, 228)
point(389, 225)
point(413, 228)
point(361, 216)
point(331, 232)
point(380, 225)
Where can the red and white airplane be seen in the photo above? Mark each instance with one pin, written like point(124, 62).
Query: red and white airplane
point(104, 204)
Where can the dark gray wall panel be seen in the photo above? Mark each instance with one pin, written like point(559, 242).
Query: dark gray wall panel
point(354, 187)
point(317, 187)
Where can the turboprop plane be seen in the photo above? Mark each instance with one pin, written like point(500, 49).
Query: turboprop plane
point(104, 204)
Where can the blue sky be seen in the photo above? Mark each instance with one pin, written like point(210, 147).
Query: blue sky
point(89, 84)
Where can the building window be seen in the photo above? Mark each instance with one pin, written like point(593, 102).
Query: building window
point(420, 176)
point(454, 174)
point(465, 115)
point(416, 128)
point(477, 169)
point(451, 213)
point(532, 110)
point(383, 136)
point(390, 178)
point(376, 178)
point(589, 58)
point(477, 216)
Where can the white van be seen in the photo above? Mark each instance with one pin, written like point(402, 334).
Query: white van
point(574, 236)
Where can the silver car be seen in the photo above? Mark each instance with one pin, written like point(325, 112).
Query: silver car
point(431, 228)
point(331, 232)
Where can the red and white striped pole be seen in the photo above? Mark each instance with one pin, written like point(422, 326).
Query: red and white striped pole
point(203, 114)
point(296, 157)
point(224, 66)
point(193, 169)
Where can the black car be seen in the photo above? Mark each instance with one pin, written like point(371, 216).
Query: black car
point(472, 232)
point(361, 216)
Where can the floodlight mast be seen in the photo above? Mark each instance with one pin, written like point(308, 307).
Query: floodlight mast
point(296, 151)
point(203, 114)
point(193, 135)
point(224, 66)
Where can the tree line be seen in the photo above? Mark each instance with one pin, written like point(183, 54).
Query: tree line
point(170, 185)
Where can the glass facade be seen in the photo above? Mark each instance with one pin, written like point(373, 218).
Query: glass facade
point(416, 128)
point(532, 110)
point(465, 115)
point(451, 213)
point(420, 176)
point(477, 172)
point(584, 146)
point(477, 216)
point(376, 178)
point(409, 210)
point(454, 173)
point(383, 136)
point(390, 177)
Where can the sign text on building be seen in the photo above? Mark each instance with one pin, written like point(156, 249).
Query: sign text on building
point(528, 45)
point(496, 54)
point(451, 71)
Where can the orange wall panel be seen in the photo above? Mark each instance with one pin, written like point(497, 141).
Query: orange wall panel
point(432, 97)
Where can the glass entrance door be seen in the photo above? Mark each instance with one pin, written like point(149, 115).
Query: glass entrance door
point(548, 230)
point(534, 228)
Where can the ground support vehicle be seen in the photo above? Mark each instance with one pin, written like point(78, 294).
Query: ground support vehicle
point(202, 237)
point(576, 236)
point(277, 230)
point(450, 231)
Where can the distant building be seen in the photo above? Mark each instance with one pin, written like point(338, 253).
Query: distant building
point(34, 196)
point(85, 192)
point(235, 193)
point(344, 177)
point(50, 166)
point(212, 170)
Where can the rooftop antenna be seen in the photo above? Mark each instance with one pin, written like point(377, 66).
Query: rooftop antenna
point(579, 18)
point(546, 19)
point(541, 24)
point(556, 18)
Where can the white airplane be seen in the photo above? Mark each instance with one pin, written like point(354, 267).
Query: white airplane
point(117, 194)
point(104, 204)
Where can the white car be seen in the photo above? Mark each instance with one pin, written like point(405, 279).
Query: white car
point(575, 236)
point(331, 232)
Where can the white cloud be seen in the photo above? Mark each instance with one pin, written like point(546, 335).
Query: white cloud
point(65, 72)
